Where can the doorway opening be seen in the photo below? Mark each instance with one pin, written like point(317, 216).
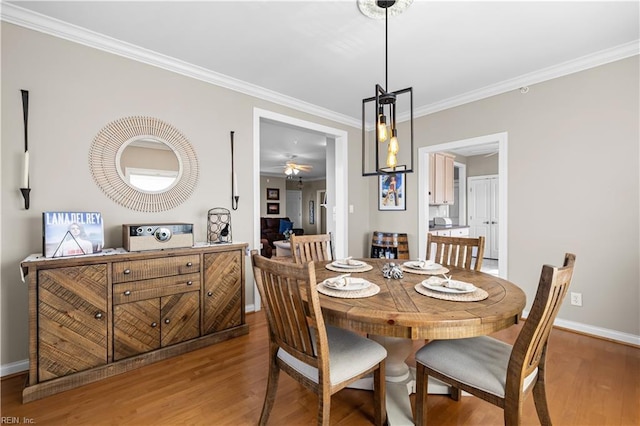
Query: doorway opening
point(336, 199)
point(423, 190)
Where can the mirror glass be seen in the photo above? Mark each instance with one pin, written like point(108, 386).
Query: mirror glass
point(144, 164)
point(148, 164)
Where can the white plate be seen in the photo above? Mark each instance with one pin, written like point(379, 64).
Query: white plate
point(417, 265)
point(353, 284)
point(354, 264)
point(441, 289)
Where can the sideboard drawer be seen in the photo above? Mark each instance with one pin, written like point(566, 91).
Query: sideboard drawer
point(137, 270)
point(153, 288)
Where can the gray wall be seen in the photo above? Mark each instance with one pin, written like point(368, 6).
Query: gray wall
point(573, 160)
point(573, 185)
point(74, 92)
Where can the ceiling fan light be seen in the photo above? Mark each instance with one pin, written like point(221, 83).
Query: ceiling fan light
point(288, 171)
point(296, 171)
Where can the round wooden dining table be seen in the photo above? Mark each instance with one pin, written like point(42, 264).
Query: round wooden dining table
point(399, 314)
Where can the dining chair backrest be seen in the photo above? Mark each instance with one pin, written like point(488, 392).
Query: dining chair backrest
point(291, 320)
point(306, 248)
point(504, 374)
point(299, 340)
point(531, 344)
point(456, 251)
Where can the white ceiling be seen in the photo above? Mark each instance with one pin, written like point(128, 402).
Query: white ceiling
point(325, 56)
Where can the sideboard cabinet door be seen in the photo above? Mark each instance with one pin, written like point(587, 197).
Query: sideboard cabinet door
point(222, 299)
point(72, 320)
point(146, 325)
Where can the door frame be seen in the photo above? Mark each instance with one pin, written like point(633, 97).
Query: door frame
point(337, 194)
point(423, 191)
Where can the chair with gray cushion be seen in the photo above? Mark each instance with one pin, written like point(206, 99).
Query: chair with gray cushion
point(495, 371)
point(324, 359)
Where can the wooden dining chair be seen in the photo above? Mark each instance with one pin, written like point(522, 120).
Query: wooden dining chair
point(456, 251)
point(324, 359)
point(492, 370)
point(305, 248)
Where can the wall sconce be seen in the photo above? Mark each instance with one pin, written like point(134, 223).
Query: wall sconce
point(234, 181)
point(25, 190)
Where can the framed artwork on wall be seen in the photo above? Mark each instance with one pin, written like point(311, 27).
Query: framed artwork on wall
point(392, 191)
point(273, 208)
point(273, 193)
point(312, 213)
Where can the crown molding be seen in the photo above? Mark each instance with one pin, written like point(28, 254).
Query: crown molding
point(44, 24)
point(51, 26)
point(569, 67)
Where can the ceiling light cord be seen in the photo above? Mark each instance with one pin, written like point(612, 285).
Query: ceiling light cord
point(386, 49)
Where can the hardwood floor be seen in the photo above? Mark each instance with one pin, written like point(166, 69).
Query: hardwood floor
point(589, 382)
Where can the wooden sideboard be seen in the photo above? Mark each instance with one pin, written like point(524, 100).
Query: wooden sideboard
point(92, 317)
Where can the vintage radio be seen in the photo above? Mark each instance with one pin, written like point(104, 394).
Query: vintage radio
point(157, 236)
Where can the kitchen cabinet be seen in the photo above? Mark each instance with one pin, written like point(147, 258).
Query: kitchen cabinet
point(441, 185)
point(91, 317)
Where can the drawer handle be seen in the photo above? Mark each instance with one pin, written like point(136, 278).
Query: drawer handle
point(167, 321)
point(127, 293)
point(154, 324)
point(189, 282)
point(189, 264)
point(209, 294)
point(98, 315)
point(126, 271)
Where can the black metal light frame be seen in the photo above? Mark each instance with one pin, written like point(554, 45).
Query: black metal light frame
point(381, 99)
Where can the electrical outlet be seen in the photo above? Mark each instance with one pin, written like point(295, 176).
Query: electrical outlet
point(576, 299)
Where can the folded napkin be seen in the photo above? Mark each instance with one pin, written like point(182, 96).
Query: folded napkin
point(347, 261)
point(457, 285)
point(343, 281)
point(424, 264)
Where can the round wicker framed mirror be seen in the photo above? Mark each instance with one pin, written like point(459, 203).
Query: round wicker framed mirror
point(157, 151)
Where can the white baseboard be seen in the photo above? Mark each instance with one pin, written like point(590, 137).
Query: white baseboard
point(592, 330)
point(14, 367)
point(19, 366)
point(599, 332)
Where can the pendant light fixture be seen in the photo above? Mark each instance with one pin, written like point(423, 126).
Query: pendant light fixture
point(385, 145)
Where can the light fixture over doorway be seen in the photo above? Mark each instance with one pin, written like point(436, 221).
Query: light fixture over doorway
point(381, 121)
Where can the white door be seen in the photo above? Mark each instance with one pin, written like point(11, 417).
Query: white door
point(294, 207)
point(482, 205)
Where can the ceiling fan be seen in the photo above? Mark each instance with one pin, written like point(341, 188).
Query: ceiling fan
point(291, 168)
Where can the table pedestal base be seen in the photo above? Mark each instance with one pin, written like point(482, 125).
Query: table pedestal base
point(400, 380)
